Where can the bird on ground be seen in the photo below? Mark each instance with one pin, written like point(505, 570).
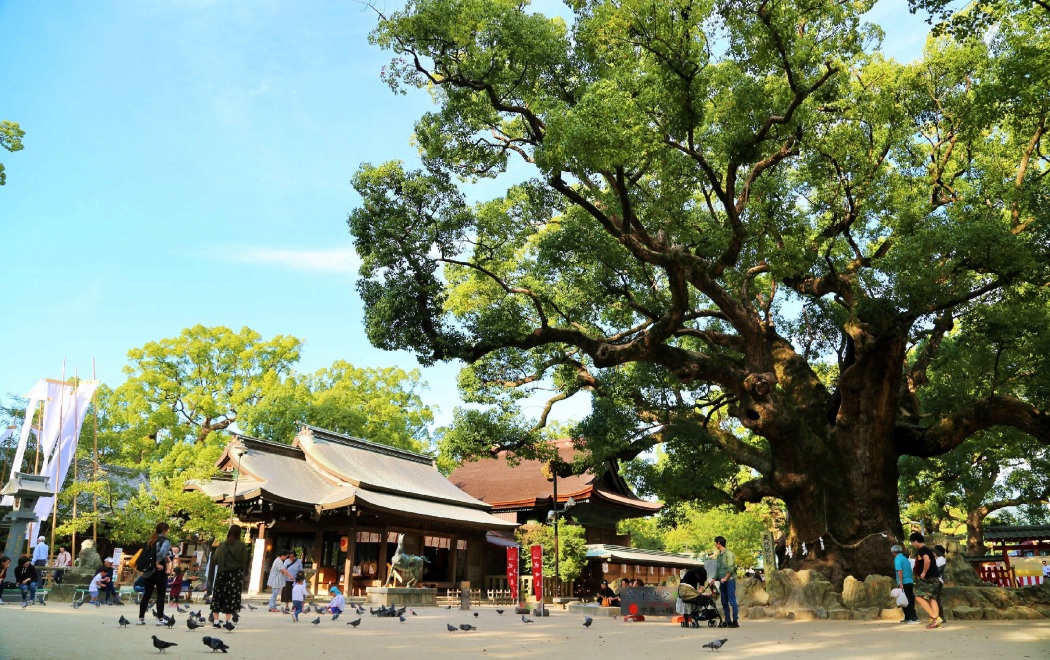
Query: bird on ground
point(451, 628)
point(252, 608)
point(169, 622)
point(286, 610)
point(76, 606)
point(355, 623)
point(526, 620)
point(465, 627)
point(316, 621)
point(476, 614)
point(192, 624)
point(400, 611)
point(413, 613)
point(715, 645)
point(401, 618)
point(448, 607)
point(160, 644)
point(229, 626)
point(499, 612)
point(587, 621)
point(236, 617)
point(178, 608)
point(211, 617)
point(198, 615)
point(215, 644)
point(122, 622)
point(371, 611)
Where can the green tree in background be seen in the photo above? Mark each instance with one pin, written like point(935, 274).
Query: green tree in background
point(380, 405)
point(10, 139)
point(572, 549)
point(746, 236)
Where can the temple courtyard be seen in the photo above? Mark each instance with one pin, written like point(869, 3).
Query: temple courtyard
point(59, 632)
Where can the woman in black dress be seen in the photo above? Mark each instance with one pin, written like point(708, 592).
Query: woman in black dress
point(231, 559)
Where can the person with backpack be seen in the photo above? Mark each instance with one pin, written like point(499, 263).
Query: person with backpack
point(153, 562)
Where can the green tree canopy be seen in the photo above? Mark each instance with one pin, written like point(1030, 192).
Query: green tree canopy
point(572, 549)
point(746, 235)
point(10, 139)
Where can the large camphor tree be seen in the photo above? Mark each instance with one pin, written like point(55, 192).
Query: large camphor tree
point(747, 234)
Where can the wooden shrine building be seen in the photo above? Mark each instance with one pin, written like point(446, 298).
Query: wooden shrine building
point(342, 502)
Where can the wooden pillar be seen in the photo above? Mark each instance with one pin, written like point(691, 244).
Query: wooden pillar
point(381, 572)
point(351, 550)
point(453, 552)
point(318, 541)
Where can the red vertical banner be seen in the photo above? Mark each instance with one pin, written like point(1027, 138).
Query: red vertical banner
point(537, 571)
point(512, 572)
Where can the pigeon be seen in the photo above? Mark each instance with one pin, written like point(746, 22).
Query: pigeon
point(355, 623)
point(286, 610)
point(198, 615)
point(215, 644)
point(316, 621)
point(236, 617)
point(476, 615)
point(252, 608)
point(715, 645)
point(178, 608)
point(587, 621)
point(371, 611)
point(160, 644)
point(467, 627)
point(413, 613)
point(229, 626)
point(499, 612)
point(451, 628)
point(400, 611)
point(76, 606)
point(526, 620)
point(401, 618)
point(122, 622)
point(448, 607)
point(211, 617)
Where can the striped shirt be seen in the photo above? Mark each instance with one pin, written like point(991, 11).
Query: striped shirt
point(277, 578)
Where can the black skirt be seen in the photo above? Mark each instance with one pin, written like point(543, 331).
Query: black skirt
point(226, 598)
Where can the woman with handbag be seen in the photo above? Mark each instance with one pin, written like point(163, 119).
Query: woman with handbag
point(231, 558)
point(155, 574)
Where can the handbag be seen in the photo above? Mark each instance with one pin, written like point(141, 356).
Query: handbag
point(902, 598)
point(286, 592)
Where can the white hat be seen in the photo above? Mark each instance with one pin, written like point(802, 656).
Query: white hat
point(110, 560)
point(40, 538)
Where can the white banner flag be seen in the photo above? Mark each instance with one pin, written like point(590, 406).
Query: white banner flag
point(58, 467)
point(60, 400)
point(35, 396)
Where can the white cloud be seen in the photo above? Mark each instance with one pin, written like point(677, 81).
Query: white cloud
point(333, 260)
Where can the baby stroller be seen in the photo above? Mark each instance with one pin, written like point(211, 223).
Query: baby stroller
point(697, 606)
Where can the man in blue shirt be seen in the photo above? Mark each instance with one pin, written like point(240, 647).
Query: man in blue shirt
point(905, 581)
point(40, 552)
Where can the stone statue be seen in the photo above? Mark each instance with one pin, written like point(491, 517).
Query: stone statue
point(88, 558)
point(405, 568)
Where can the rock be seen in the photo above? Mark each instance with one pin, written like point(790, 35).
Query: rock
point(992, 614)
point(891, 614)
point(756, 612)
point(1021, 612)
point(800, 590)
point(840, 614)
point(967, 613)
point(874, 591)
point(799, 615)
point(865, 613)
point(751, 592)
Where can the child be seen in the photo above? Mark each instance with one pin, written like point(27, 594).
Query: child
point(337, 604)
point(175, 586)
point(96, 583)
point(299, 595)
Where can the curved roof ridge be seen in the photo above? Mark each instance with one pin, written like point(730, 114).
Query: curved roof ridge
point(351, 441)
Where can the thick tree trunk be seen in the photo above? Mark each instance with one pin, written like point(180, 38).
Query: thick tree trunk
point(841, 486)
point(975, 532)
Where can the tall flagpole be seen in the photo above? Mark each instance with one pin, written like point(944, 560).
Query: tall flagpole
point(94, 468)
point(36, 461)
point(76, 495)
point(56, 453)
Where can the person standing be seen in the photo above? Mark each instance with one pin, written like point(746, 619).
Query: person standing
point(1046, 572)
point(293, 566)
point(927, 582)
point(725, 573)
point(62, 562)
point(156, 574)
point(231, 558)
point(278, 577)
point(40, 552)
point(27, 580)
point(905, 581)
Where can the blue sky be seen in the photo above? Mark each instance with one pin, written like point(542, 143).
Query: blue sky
point(189, 162)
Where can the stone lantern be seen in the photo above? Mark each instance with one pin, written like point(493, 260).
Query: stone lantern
point(26, 489)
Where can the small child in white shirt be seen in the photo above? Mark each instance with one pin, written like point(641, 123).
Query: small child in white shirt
point(337, 604)
point(299, 594)
point(94, 586)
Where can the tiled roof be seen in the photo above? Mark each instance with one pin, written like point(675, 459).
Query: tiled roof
point(1017, 533)
point(525, 485)
point(619, 553)
point(323, 471)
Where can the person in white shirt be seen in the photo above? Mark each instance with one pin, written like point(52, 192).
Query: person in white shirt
point(62, 562)
point(96, 583)
point(1046, 571)
point(299, 595)
point(337, 604)
point(40, 552)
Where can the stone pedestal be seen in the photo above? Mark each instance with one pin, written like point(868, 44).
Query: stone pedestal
point(422, 597)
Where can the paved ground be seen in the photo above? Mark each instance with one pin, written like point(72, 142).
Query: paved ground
point(59, 632)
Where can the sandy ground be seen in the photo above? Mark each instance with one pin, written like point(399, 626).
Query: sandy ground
point(58, 631)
